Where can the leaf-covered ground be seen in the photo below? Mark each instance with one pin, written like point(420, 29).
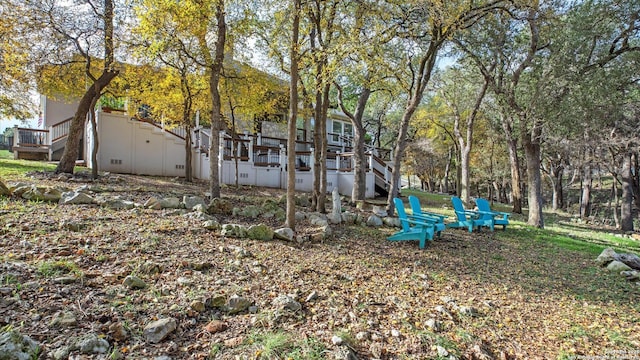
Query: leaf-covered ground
point(501, 295)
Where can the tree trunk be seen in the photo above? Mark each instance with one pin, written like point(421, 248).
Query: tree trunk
point(556, 173)
point(70, 154)
point(359, 181)
point(447, 169)
point(635, 179)
point(324, 149)
point(585, 198)
point(514, 165)
point(626, 207)
point(293, 117)
point(398, 153)
point(534, 180)
point(188, 170)
point(215, 68)
point(464, 175)
point(96, 141)
point(614, 196)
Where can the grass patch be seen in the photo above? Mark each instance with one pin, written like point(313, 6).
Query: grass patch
point(11, 169)
point(281, 345)
point(58, 268)
point(560, 231)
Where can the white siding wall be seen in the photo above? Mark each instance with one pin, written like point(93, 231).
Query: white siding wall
point(134, 147)
point(55, 111)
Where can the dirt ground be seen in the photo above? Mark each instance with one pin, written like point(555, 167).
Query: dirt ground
point(474, 296)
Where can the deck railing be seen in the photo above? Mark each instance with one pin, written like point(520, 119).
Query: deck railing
point(60, 130)
point(34, 138)
point(264, 151)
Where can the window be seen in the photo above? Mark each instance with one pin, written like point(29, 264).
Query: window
point(348, 129)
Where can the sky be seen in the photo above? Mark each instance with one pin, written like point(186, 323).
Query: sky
point(4, 123)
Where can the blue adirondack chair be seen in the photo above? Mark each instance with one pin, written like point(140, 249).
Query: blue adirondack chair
point(419, 215)
point(411, 229)
point(499, 217)
point(467, 218)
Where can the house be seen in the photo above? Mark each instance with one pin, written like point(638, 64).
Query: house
point(131, 145)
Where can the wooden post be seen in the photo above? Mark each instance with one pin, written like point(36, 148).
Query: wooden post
point(220, 154)
point(16, 137)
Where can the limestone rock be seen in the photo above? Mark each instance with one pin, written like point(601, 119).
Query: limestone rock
point(318, 219)
point(336, 340)
point(74, 198)
point(152, 203)
point(284, 234)
point(4, 190)
point(631, 275)
point(250, 211)
point(171, 203)
point(234, 230)
point(300, 216)
point(380, 211)
point(43, 194)
point(199, 208)
point(118, 204)
point(606, 256)
point(158, 330)
point(617, 266)
point(197, 306)
point(336, 209)
point(391, 221)
point(344, 353)
point(134, 282)
point(260, 232)
point(91, 344)
point(284, 302)
point(434, 325)
point(192, 201)
point(216, 301)
point(211, 224)
point(374, 221)
point(219, 206)
point(237, 304)
point(198, 215)
point(349, 217)
point(303, 201)
point(65, 319)
point(14, 345)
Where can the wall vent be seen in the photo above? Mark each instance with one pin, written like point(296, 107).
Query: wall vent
point(243, 175)
point(179, 167)
point(299, 181)
point(116, 162)
point(329, 185)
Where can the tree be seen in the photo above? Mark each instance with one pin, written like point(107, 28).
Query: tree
point(15, 63)
point(425, 27)
point(70, 33)
point(364, 71)
point(174, 91)
point(293, 115)
point(463, 102)
point(540, 65)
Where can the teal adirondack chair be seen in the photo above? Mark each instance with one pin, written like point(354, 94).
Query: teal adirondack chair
point(467, 218)
point(499, 217)
point(411, 229)
point(418, 214)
